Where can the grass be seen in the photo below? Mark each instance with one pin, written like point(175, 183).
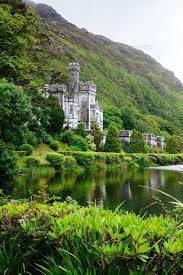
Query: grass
point(40, 152)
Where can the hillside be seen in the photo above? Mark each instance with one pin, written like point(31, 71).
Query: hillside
point(134, 89)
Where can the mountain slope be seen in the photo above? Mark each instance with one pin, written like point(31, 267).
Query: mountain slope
point(124, 76)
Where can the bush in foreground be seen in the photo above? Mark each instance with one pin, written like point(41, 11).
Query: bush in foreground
point(94, 241)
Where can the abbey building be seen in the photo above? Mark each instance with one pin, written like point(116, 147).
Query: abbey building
point(79, 102)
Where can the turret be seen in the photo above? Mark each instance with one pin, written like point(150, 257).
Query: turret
point(74, 79)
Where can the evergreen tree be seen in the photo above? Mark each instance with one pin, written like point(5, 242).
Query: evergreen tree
point(174, 145)
point(96, 132)
point(137, 143)
point(81, 130)
point(113, 144)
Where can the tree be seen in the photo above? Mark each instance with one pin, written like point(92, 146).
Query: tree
point(128, 117)
point(48, 115)
point(113, 144)
point(17, 31)
point(15, 114)
point(56, 114)
point(81, 130)
point(8, 161)
point(137, 143)
point(174, 145)
point(113, 116)
point(96, 132)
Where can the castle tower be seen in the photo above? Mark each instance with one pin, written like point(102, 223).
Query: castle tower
point(74, 79)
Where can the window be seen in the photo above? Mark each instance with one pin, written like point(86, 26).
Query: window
point(71, 110)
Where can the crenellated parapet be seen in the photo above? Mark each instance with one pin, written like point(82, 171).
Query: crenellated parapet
point(88, 86)
point(55, 88)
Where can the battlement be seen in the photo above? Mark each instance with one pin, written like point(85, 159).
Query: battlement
point(74, 67)
point(55, 88)
point(149, 136)
point(125, 133)
point(88, 86)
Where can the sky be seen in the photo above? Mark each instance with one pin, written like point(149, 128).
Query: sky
point(154, 26)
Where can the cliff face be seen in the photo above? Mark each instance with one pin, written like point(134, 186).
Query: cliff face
point(124, 75)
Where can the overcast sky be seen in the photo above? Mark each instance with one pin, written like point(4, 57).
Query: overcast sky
point(154, 26)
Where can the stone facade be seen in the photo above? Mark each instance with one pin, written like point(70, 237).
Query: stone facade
point(150, 139)
point(79, 103)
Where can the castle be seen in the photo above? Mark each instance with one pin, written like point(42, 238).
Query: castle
point(79, 102)
point(150, 139)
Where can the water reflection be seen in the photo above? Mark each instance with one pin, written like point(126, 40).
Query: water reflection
point(107, 188)
point(156, 179)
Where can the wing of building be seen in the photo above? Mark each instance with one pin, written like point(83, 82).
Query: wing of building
point(80, 102)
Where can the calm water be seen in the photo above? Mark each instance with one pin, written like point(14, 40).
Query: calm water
point(108, 188)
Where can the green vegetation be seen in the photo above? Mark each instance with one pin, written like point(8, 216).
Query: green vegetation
point(81, 130)
point(17, 36)
point(76, 142)
point(112, 144)
point(56, 160)
point(134, 90)
point(54, 145)
point(27, 148)
point(8, 161)
point(96, 132)
point(174, 145)
point(137, 143)
point(16, 114)
point(73, 239)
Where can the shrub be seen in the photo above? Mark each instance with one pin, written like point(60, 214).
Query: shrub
point(112, 144)
point(32, 162)
point(67, 136)
point(79, 142)
point(112, 159)
point(54, 145)
point(70, 162)
point(142, 160)
point(28, 148)
point(56, 160)
point(137, 144)
point(47, 139)
point(81, 130)
point(174, 145)
point(91, 240)
point(21, 153)
point(85, 160)
point(91, 143)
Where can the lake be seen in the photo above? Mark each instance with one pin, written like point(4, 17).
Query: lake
point(107, 188)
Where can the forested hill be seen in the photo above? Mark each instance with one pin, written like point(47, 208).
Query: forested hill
point(134, 89)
